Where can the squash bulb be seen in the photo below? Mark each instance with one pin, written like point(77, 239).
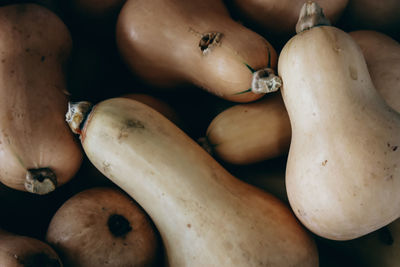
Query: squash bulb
point(342, 175)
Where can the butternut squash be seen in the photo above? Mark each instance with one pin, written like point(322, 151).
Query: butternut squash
point(382, 55)
point(103, 227)
point(280, 17)
point(173, 42)
point(37, 150)
point(23, 251)
point(342, 174)
point(251, 132)
point(206, 217)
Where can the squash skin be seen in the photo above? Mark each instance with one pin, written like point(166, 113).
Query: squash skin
point(205, 216)
point(33, 96)
point(342, 174)
point(251, 132)
point(20, 251)
point(382, 55)
point(164, 49)
point(89, 212)
point(280, 16)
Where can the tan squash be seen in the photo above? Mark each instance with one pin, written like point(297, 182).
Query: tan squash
point(103, 227)
point(206, 217)
point(382, 55)
point(173, 42)
point(342, 175)
point(23, 251)
point(37, 150)
point(250, 133)
point(280, 16)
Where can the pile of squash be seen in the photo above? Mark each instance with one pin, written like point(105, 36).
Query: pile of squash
point(199, 133)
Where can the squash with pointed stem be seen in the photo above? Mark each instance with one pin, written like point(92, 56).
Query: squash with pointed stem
point(173, 42)
point(37, 150)
point(206, 217)
point(342, 174)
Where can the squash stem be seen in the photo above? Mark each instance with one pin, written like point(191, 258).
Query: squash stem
point(311, 15)
point(265, 81)
point(77, 114)
point(40, 181)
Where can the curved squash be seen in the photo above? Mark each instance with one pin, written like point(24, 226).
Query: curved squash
point(382, 55)
point(37, 150)
point(173, 42)
point(343, 175)
point(205, 216)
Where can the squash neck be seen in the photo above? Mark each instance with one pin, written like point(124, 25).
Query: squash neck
point(311, 15)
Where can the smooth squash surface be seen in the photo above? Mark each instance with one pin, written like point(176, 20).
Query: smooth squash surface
point(251, 132)
point(382, 55)
point(176, 41)
point(342, 176)
point(34, 47)
point(206, 217)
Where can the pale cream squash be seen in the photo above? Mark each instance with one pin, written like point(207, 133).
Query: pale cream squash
point(343, 169)
point(206, 217)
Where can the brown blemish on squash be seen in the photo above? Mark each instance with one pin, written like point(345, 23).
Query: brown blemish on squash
point(129, 124)
point(391, 147)
point(208, 41)
point(324, 162)
point(189, 225)
point(353, 73)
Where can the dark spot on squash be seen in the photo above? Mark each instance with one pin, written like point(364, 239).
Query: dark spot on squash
point(118, 225)
point(208, 41)
point(189, 225)
point(324, 162)
point(394, 148)
point(42, 58)
point(353, 73)
point(134, 124)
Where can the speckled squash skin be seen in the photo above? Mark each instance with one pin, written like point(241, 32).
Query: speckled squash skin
point(342, 174)
point(206, 217)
